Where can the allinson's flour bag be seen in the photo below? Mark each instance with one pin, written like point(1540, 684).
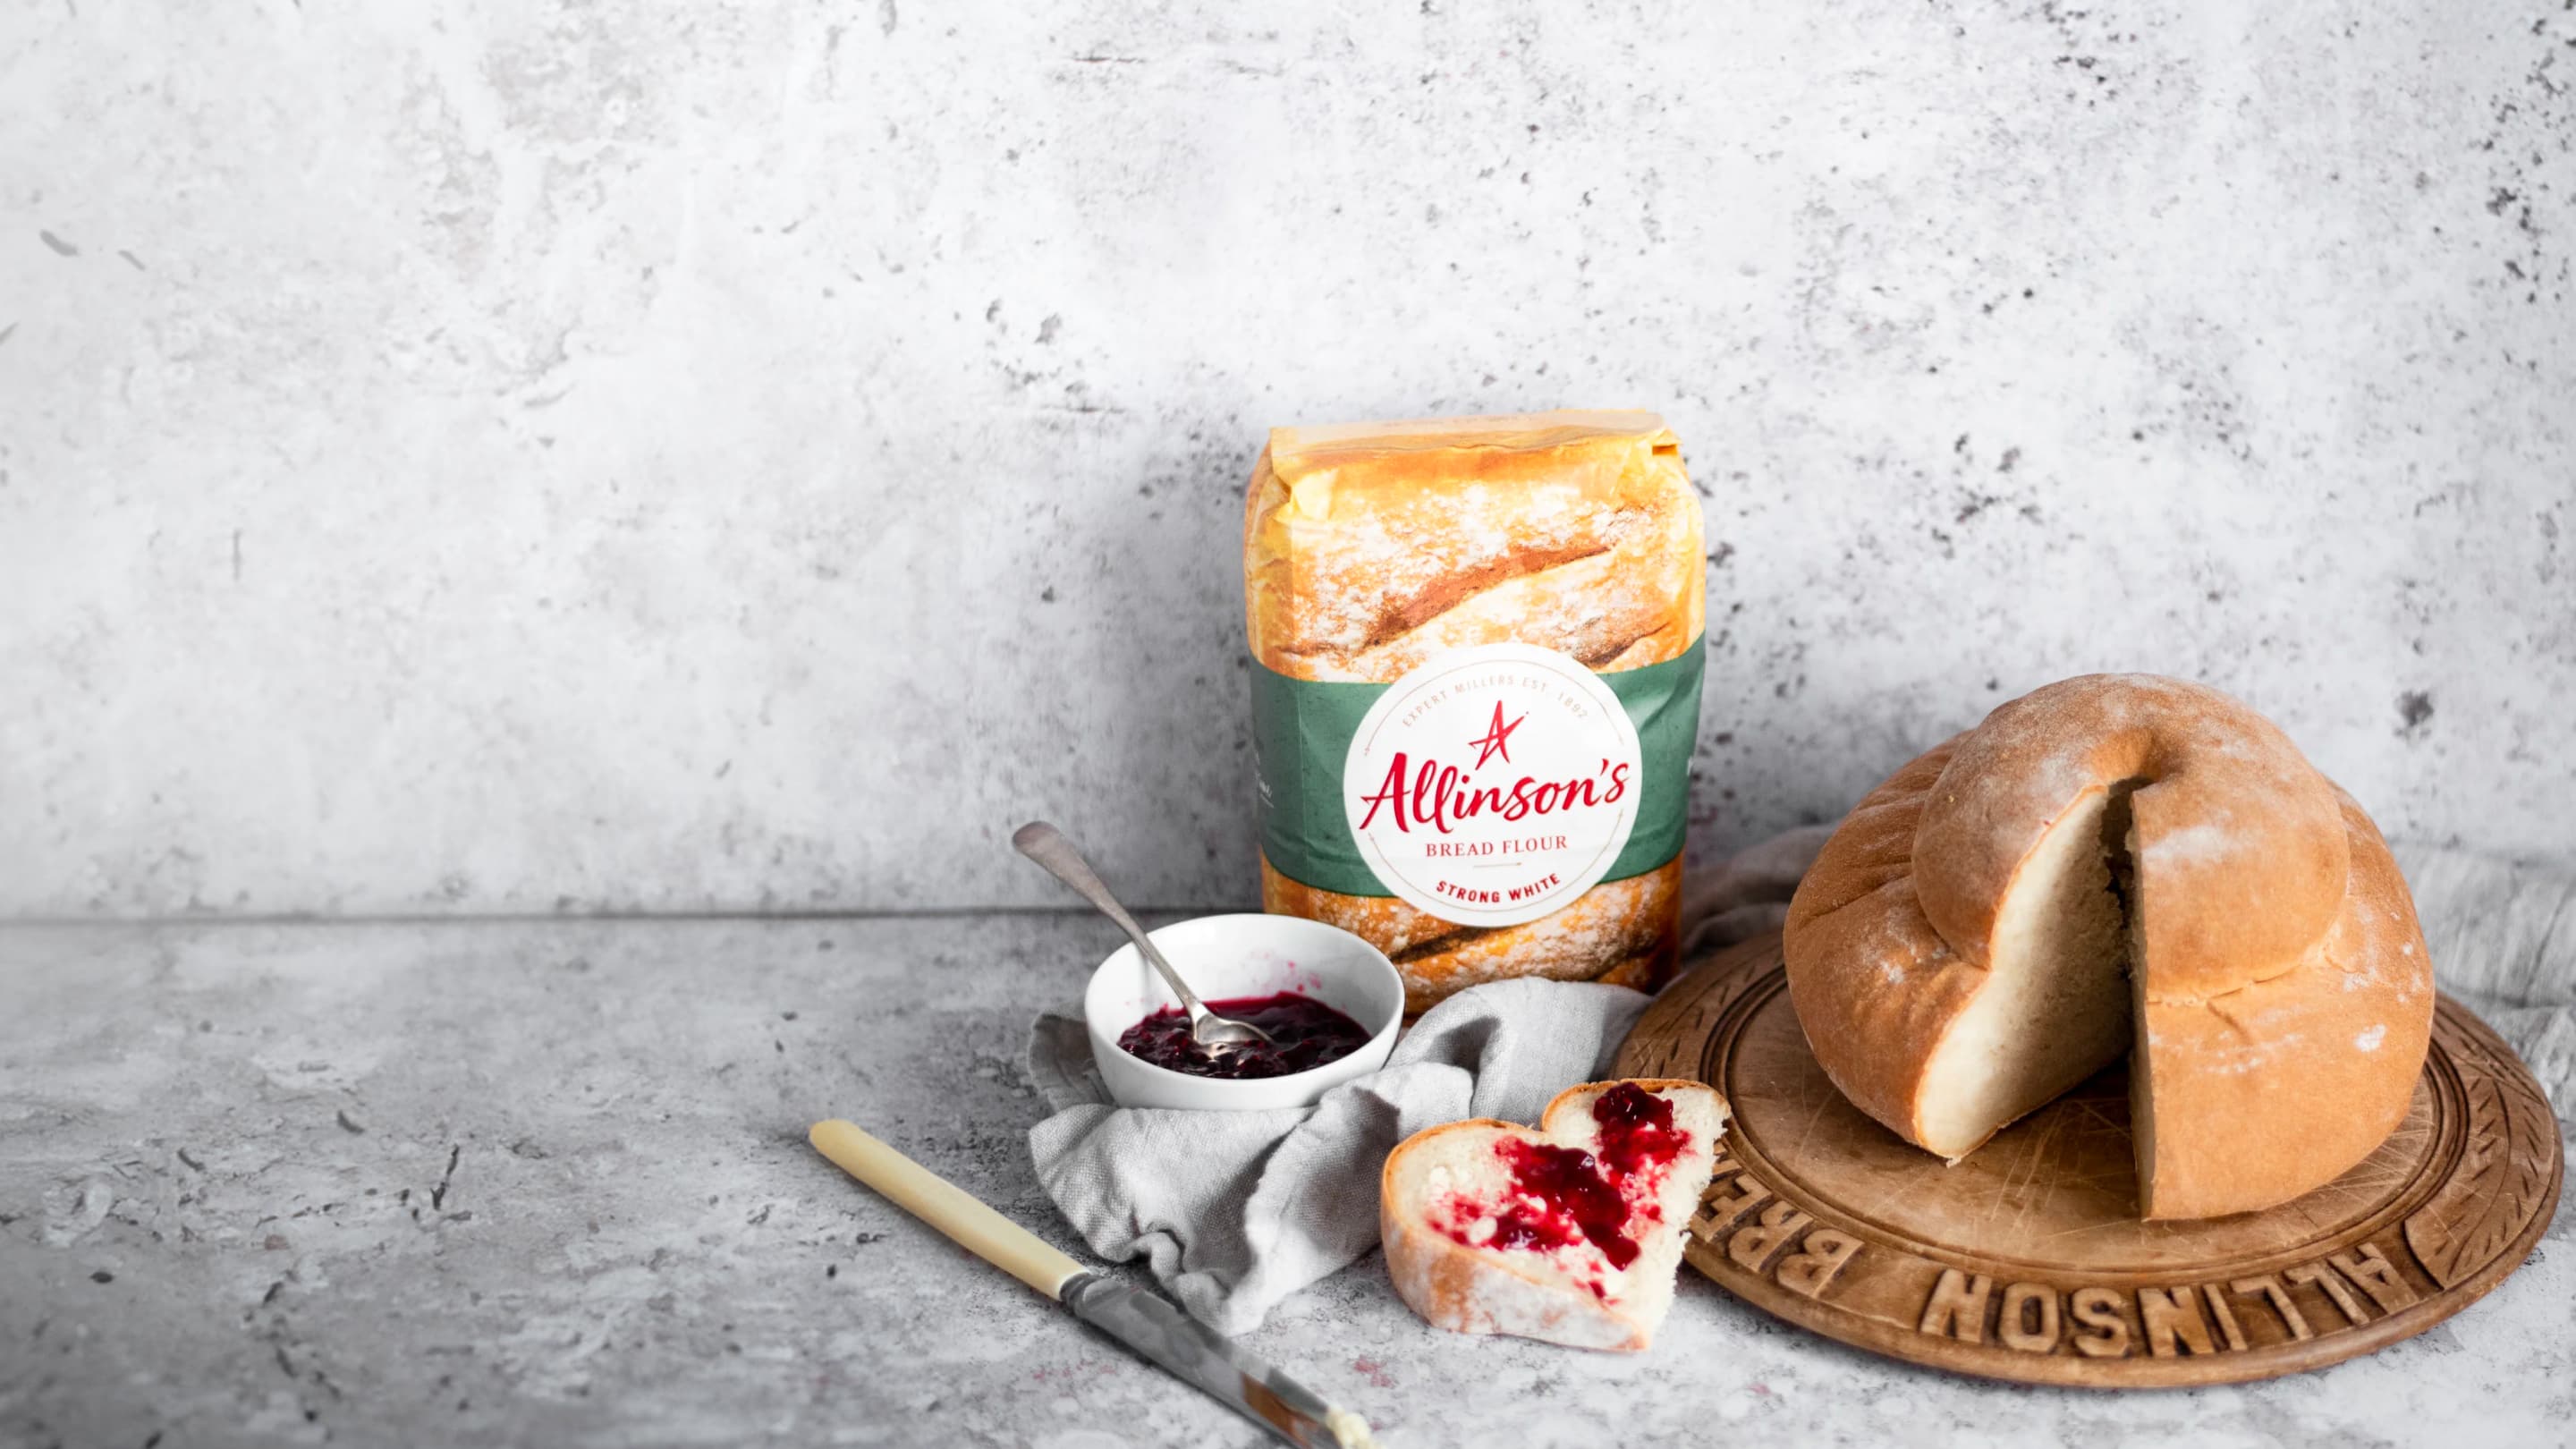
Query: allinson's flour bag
point(1476, 650)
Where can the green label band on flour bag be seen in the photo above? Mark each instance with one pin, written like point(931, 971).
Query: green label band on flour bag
point(1488, 786)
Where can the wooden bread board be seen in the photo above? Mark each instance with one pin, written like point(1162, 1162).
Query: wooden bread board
point(2026, 1262)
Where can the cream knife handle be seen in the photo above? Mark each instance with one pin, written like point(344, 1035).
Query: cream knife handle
point(946, 1206)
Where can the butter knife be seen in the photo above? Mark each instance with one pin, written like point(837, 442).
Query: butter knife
point(1148, 1323)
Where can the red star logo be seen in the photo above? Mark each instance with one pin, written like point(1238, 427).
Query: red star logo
point(1497, 739)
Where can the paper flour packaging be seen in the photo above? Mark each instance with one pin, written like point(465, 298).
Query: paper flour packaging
point(1477, 660)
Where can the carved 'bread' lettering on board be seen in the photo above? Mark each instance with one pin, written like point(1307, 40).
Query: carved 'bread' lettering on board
point(1756, 1241)
point(2170, 1316)
point(2331, 1281)
point(2027, 1322)
point(2098, 1309)
point(1957, 1307)
point(2279, 1297)
point(1812, 1268)
point(1823, 1254)
point(1724, 1205)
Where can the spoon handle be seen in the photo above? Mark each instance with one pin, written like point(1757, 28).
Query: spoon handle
point(1047, 845)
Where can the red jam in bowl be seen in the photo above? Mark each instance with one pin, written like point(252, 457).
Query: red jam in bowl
point(1304, 1034)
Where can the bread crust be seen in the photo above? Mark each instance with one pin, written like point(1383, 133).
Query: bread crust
point(2282, 1025)
point(1368, 548)
point(2282, 1085)
point(1467, 1290)
point(1873, 984)
point(2241, 857)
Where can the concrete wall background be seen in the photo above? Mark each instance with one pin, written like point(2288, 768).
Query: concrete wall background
point(532, 458)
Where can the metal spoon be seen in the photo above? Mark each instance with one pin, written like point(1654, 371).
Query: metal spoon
point(1047, 846)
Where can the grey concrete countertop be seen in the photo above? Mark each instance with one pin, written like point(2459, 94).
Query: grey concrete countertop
point(545, 1183)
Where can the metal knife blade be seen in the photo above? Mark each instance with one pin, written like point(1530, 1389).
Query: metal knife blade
point(1160, 1331)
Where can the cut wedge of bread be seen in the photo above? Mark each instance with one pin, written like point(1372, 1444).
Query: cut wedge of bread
point(1569, 1233)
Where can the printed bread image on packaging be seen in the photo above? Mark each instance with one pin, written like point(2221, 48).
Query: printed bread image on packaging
point(1475, 687)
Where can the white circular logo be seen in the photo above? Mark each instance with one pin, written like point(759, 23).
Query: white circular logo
point(1490, 786)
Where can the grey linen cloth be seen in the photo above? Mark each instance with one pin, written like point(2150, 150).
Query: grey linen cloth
point(2502, 934)
point(1234, 1211)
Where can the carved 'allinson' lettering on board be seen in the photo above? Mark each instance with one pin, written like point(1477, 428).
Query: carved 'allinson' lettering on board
point(2226, 1316)
point(1957, 1307)
point(2099, 1310)
point(2028, 1322)
point(2370, 1268)
point(2170, 1315)
point(2270, 1287)
point(2332, 1282)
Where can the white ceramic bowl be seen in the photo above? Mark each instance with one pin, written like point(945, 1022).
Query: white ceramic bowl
point(1233, 956)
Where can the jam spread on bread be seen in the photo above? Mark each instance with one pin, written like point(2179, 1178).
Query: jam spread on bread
point(1637, 1130)
point(1561, 1197)
point(1304, 1034)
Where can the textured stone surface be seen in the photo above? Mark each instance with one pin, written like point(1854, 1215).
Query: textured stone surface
point(487, 1184)
point(548, 456)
